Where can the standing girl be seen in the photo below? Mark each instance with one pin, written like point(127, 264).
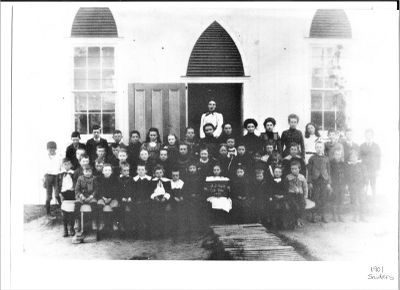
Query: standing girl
point(312, 136)
point(152, 144)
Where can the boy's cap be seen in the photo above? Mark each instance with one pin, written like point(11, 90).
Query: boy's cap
point(51, 145)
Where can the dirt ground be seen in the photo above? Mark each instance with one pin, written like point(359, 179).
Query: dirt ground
point(350, 241)
point(43, 238)
point(333, 241)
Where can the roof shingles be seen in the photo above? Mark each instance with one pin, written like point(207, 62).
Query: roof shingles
point(94, 22)
point(330, 23)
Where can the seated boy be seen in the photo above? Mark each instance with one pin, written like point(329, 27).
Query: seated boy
point(179, 199)
point(108, 194)
point(297, 191)
point(85, 193)
point(113, 158)
point(84, 161)
point(66, 188)
point(294, 155)
point(98, 164)
point(142, 190)
point(127, 197)
point(161, 202)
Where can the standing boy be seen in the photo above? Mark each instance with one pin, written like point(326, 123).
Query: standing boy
point(73, 147)
point(91, 144)
point(319, 180)
point(292, 135)
point(370, 155)
point(52, 166)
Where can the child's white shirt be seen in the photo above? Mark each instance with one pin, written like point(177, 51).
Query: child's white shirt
point(177, 184)
point(52, 164)
point(67, 183)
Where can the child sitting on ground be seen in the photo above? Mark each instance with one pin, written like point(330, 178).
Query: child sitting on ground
point(108, 194)
point(66, 188)
point(297, 192)
point(86, 193)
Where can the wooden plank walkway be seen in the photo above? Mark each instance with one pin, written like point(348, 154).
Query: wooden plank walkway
point(253, 242)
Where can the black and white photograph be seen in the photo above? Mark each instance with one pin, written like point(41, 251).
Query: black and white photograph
point(197, 145)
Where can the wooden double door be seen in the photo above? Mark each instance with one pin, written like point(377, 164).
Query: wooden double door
point(170, 107)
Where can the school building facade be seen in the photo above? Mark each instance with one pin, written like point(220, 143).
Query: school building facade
point(134, 67)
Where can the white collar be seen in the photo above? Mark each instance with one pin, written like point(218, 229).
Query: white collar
point(177, 184)
point(137, 177)
point(69, 171)
point(216, 178)
point(163, 179)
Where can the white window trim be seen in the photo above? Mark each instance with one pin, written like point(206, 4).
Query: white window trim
point(93, 42)
point(324, 43)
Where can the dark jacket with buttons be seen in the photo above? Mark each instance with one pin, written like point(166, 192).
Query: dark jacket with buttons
point(319, 166)
point(289, 136)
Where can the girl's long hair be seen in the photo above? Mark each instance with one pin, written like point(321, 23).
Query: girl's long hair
point(307, 135)
point(152, 129)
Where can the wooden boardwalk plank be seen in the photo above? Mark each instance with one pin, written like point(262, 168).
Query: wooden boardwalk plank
point(254, 242)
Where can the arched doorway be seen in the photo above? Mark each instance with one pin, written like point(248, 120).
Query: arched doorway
point(216, 58)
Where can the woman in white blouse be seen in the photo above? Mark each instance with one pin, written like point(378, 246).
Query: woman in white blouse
point(311, 137)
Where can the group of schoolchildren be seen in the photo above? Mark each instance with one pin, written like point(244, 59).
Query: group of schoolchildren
point(157, 188)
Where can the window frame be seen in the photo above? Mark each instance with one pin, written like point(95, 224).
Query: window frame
point(100, 43)
point(324, 44)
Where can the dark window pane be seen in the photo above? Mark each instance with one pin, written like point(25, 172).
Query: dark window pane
point(80, 102)
point(316, 118)
point(94, 56)
point(81, 123)
point(79, 56)
point(109, 103)
point(94, 119)
point(329, 120)
point(108, 123)
point(316, 101)
point(108, 56)
point(94, 102)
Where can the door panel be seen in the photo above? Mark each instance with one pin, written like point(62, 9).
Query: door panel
point(157, 105)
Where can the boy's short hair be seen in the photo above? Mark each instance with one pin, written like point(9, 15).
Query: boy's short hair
point(187, 128)
point(250, 121)
point(204, 149)
point(123, 150)
point(183, 144)
point(208, 125)
point(85, 156)
point(241, 167)
point(75, 134)
point(294, 144)
point(259, 171)
point(293, 116)
point(164, 149)
point(295, 163)
point(224, 124)
point(269, 143)
point(158, 167)
point(51, 145)
point(269, 119)
point(117, 132)
point(124, 165)
point(113, 145)
point(241, 144)
point(87, 167)
point(107, 165)
point(230, 138)
point(99, 161)
point(174, 170)
point(217, 165)
point(192, 163)
point(141, 164)
point(278, 166)
point(100, 146)
point(95, 127)
point(66, 159)
point(134, 132)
